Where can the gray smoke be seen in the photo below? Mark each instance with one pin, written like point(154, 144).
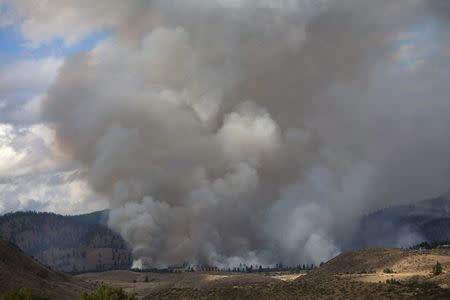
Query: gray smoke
point(257, 131)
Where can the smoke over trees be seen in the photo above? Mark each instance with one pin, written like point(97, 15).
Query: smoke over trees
point(255, 131)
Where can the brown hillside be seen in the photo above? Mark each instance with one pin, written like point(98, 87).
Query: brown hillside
point(376, 260)
point(18, 270)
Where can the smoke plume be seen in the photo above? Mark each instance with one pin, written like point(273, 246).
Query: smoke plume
point(227, 131)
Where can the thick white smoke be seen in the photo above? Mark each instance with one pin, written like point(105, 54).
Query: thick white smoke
point(256, 131)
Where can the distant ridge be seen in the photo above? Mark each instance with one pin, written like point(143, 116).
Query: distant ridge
point(93, 218)
point(73, 244)
point(405, 225)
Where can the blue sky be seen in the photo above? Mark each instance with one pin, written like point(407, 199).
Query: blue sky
point(13, 45)
point(416, 44)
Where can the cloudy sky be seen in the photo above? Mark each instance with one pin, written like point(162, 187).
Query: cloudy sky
point(36, 37)
point(34, 175)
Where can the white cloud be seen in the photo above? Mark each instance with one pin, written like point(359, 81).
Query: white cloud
point(23, 85)
point(24, 150)
point(44, 20)
point(28, 76)
point(33, 176)
point(59, 191)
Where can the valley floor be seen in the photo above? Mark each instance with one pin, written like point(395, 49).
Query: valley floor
point(353, 275)
point(134, 282)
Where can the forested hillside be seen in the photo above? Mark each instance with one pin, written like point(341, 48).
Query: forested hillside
point(67, 243)
point(405, 225)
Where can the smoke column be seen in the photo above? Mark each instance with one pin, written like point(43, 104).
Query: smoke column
point(257, 131)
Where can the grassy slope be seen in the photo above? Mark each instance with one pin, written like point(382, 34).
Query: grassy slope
point(18, 270)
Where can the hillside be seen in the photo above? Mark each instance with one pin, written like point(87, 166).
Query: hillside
point(67, 243)
point(372, 261)
point(404, 225)
point(94, 218)
point(352, 275)
point(18, 270)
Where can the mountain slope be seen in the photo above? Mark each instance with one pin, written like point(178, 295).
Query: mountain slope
point(18, 270)
point(94, 218)
point(405, 225)
point(67, 243)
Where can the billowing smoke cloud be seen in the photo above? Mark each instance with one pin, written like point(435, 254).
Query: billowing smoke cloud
point(257, 131)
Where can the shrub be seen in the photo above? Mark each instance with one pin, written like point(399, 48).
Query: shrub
point(388, 271)
point(22, 294)
point(104, 292)
point(392, 281)
point(437, 269)
point(367, 272)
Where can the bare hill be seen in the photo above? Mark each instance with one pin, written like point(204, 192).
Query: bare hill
point(366, 261)
point(18, 270)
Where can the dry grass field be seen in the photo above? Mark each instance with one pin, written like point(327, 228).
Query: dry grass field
point(353, 275)
point(135, 281)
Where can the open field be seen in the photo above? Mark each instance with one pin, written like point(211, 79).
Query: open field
point(134, 281)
